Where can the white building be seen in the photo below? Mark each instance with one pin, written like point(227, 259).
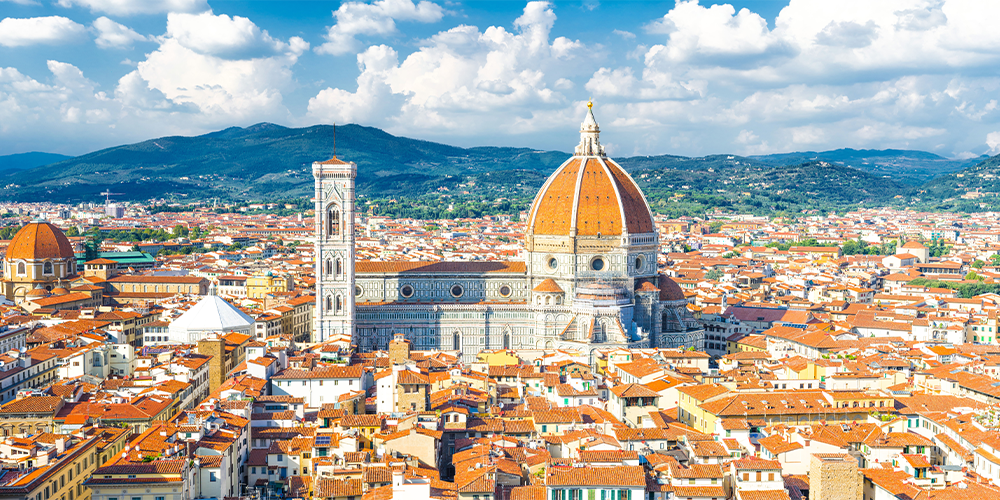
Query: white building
point(320, 385)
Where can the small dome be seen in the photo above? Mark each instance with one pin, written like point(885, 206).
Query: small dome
point(670, 290)
point(212, 314)
point(37, 293)
point(60, 291)
point(40, 240)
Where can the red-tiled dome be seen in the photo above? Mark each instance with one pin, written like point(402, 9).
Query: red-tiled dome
point(602, 199)
point(589, 195)
point(669, 289)
point(40, 240)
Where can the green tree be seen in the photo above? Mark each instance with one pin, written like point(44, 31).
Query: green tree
point(854, 247)
point(180, 231)
point(978, 264)
point(713, 275)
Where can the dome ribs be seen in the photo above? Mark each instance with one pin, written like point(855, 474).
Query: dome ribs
point(598, 211)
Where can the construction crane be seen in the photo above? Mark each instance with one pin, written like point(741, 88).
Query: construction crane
point(108, 195)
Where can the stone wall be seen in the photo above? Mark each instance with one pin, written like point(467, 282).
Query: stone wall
point(834, 476)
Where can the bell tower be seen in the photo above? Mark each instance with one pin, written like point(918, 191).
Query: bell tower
point(334, 313)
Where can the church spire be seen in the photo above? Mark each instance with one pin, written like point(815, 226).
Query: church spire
point(590, 132)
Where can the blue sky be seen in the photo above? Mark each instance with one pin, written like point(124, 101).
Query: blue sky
point(689, 78)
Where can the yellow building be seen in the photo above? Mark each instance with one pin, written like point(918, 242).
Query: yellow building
point(259, 286)
point(499, 357)
point(61, 475)
point(750, 343)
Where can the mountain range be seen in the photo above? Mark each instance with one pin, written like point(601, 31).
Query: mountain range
point(266, 160)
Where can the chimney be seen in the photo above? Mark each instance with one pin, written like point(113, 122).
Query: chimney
point(60, 445)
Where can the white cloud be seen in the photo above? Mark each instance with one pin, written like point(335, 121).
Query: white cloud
point(706, 79)
point(377, 18)
point(112, 35)
point(717, 35)
point(848, 34)
point(993, 142)
point(372, 100)
point(130, 7)
point(23, 2)
point(460, 75)
point(63, 107)
point(227, 37)
point(52, 30)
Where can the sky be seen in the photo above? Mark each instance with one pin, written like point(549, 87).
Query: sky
point(687, 77)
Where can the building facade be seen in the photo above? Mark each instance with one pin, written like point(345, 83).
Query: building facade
point(589, 278)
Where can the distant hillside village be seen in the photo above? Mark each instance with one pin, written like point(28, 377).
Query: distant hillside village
point(583, 349)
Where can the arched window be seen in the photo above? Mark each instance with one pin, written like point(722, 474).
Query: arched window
point(340, 304)
point(456, 341)
point(329, 267)
point(329, 303)
point(47, 268)
point(333, 217)
point(339, 270)
point(21, 270)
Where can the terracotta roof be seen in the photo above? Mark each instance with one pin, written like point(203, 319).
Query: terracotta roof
point(548, 285)
point(329, 487)
point(633, 391)
point(333, 161)
point(763, 494)
point(322, 372)
point(625, 475)
point(33, 404)
point(125, 278)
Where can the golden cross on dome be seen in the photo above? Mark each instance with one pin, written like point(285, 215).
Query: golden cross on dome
point(590, 103)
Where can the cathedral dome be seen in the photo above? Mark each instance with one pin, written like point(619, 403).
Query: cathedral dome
point(589, 195)
point(670, 290)
point(40, 240)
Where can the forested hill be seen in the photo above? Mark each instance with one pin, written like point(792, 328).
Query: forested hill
point(981, 181)
point(266, 161)
point(258, 161)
